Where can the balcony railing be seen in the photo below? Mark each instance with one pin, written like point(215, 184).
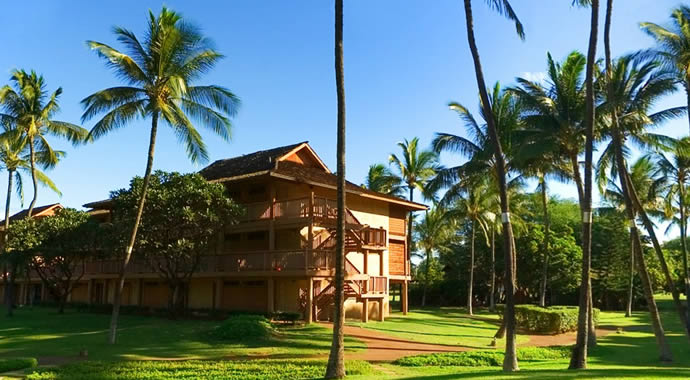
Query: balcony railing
point(322, 208)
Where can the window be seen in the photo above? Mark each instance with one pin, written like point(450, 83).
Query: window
point(257, 235)
point(233, 238)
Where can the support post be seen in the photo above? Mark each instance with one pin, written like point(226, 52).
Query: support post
point(310, 230)
point(309, 317)
point(381, 317)
point(271, 296)
point(404, 297)
point(43, 293)
point(365, 310)
point(140, 291)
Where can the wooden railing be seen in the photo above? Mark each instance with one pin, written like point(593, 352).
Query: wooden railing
point(374, 236)
point(323, 208)
point(378, 285)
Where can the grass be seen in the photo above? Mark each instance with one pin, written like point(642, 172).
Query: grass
point(492, 358)
point(41, 332)
point(446, 325)
point(13, 364)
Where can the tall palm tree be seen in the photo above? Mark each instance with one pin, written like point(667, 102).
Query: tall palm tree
point(336, 360)
point(631, 89)
point(433, 233)
point(160, 74)
point(15, 158)
point(675, 171)
point(473, 206)
point(673, 45)
point(381, 179)
point(488, 155)
point(25, 107)
point(415, 168)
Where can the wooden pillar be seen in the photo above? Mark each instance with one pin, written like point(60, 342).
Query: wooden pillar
point(140, 292)
point(219, 294)
point(365, 310)
point(403, 301)
point(309, 318)
point(271, 296)
point(89, 291)
point(381, 317)
point(43, 293)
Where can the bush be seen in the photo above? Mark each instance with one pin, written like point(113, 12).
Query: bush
point(244, 326)
point(197, 370)
point(14, 364)
point(287, 317)
point(550, 320)
point(483, 358)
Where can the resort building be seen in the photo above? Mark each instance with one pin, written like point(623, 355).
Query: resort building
point(280, 256)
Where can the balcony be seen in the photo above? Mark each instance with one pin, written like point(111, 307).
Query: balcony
point(322, 209)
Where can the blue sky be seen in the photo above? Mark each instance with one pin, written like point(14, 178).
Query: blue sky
point(404, 61)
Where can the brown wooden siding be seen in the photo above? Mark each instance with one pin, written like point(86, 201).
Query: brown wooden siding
point(397, 221)
point(245, 295)
point(396, 257)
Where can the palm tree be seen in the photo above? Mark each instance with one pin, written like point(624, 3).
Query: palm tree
point(15, 159)
point(433, 234)
point(160, 76)
point(673, 45)
point(336, 360)
point(381, 179)
point(415, 168)
point(501, 114)
point(473, 205)
point(675, 171)
point(642, 176)
point(631, 89)
point(25, 107)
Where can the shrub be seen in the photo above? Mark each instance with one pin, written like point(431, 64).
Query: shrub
point(550, 320)
point(197, 370)
point(244, 326)
point(14, 364)
point(287, 317)
point(483, 358)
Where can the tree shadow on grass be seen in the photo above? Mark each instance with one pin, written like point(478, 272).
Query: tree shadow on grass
point(645, 373)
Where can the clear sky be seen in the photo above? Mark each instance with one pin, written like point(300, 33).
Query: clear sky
point(404, 61)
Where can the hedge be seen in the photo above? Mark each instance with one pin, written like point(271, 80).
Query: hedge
point(15, 364)
point(483, 358)
point(550, 320)
point(243, 327)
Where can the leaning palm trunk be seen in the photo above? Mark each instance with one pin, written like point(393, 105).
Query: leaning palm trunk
point(649, 227)
point(336, 359)
point(510, 360)
point(470, 279)
point(9, 278)
point(132, 239)
point(631, 284)
point(547, 228)
point(492, 286)
point(578, 359)
point(684, 247)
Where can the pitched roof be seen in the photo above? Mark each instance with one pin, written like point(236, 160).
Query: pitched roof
point(37, 211)
point(252, 163)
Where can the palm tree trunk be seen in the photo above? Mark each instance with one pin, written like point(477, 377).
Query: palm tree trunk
point(336, 359)
point(683, 245)
point(492, 286)
point(628, 191)
point(547, 232)
point(470, 279)
point(34, 181)
point(649, 227)
point(510, 360)
point(631, 284)
point(132, 239)
point(9, 279)
point(579, 356)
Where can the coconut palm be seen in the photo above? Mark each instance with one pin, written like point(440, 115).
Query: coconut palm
point(630, 90)
point(674, 168)
point(381, 179)
point(24, 106)
point(160, 74)
point(414, 168)
point(15, 159)
point(336, 360)
point(433, 234)
point(473, 205)
point(673, 45)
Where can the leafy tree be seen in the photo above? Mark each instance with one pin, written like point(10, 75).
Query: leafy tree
point(25, 108)
point(381, 179)
point(160, 76)
point(432, 235)
point(183, 216)
point(336, 360)
point(66, 240)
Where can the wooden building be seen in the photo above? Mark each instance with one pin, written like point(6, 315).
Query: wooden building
point(280, 257)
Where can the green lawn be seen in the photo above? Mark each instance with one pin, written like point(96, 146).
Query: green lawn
point(446, 325)
point(41, 332)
